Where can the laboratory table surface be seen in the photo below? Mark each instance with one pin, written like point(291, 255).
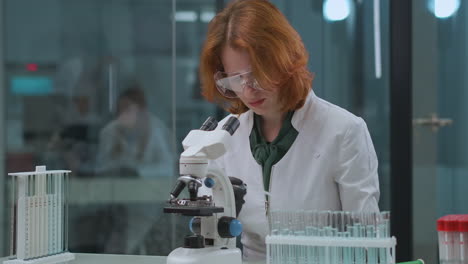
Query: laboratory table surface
point(82, 258)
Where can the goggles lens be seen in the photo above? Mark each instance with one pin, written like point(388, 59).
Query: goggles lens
point(230, 85)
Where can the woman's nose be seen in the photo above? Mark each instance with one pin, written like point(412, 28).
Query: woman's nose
point(249, 90)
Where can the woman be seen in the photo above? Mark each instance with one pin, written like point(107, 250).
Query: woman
point(294, 150)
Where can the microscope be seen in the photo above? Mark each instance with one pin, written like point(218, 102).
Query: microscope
point(214, 224)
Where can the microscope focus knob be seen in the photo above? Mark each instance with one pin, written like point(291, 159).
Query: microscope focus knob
point(229, 227)
point(194, 241)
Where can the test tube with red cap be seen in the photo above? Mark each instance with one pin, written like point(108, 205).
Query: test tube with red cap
point(463, 228)
point(449, 239)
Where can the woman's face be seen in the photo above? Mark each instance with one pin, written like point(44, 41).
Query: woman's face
point(262, 102)
point(128, 113)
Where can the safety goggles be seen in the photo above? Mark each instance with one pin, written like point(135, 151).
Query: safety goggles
point(229, 85)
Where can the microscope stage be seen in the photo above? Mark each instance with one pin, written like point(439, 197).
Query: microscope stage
point(193, 211)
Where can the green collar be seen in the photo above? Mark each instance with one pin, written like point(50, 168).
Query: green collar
point(267, 154)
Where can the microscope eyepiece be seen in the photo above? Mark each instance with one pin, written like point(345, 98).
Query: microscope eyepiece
point(209, 124)
point(180, 185)
point(231, 125)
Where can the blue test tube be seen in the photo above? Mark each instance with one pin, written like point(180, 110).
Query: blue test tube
point(291, 251)
point(339, 250)
point(386, 219)
point(348, 256)
point(332, 234)
point(362, 235)
point(371, 252)
point(312, 251)
point(321, 250)
point(358, 252)
point(382, 251)
point(283, 249)
point(299, 249)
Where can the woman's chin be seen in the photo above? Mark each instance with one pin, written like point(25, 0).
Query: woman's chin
point(257, 111)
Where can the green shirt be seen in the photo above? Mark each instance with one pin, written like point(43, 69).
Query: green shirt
point(268, 154)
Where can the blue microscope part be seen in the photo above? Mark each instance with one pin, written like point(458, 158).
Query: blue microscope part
point(235, 227)
point(190, 224)
point(209, 182)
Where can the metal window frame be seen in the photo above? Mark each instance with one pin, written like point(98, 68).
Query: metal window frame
point(3, 192)
point(401, 153)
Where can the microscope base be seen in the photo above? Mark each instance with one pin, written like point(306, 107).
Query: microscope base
point(208, 255)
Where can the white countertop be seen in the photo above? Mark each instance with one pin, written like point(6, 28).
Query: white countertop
point(81, 258)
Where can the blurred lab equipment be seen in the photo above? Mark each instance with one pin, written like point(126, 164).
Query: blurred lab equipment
point(214, 224)
point(40, 215)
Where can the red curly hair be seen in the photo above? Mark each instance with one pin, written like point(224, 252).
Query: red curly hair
point(277, 54)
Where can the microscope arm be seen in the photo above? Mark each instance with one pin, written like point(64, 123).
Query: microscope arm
point(223, 191)
point(223, 194)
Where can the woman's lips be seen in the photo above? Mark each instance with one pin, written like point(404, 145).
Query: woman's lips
point(257, 103)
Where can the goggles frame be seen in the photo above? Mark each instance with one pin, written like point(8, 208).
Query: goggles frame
point(229, 86)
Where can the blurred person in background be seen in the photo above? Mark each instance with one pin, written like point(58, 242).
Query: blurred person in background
point(136, 141)
point(136, 145)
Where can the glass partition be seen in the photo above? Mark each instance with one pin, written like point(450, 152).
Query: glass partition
point(440, 163)
point(106, 89)
point(109, 88)
point(348, 43)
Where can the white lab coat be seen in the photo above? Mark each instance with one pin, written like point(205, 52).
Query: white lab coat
point(331, 165)
point(157, 160)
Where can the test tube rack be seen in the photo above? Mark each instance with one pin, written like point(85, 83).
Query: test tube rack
point(326, 237)
point(39, 213)
point(329, 250)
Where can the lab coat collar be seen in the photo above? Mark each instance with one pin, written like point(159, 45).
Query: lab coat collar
point(297, 120)
point(298, 117)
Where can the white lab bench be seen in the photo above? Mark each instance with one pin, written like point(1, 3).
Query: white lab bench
point(81, 258)
point(98, 191)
